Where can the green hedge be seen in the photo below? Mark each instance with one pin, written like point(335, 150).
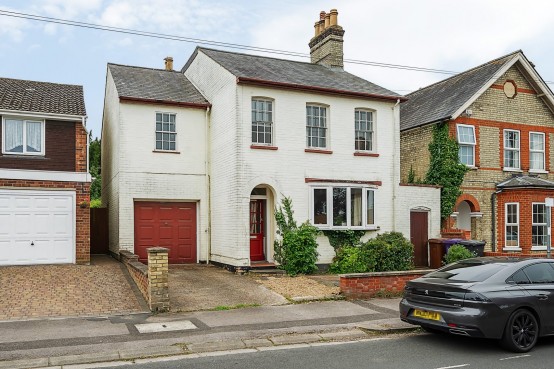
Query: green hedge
point(387, 252)
point(456, 253)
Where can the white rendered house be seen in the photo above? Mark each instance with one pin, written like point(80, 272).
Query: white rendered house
point(252, 130)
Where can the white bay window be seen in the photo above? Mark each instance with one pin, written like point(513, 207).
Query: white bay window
point(342, 207)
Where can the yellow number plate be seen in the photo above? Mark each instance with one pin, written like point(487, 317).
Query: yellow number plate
point(426, 314)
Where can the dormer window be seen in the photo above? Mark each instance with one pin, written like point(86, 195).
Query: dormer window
point(22, 137)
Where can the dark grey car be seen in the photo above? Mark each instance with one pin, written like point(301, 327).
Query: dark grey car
point(501, 298)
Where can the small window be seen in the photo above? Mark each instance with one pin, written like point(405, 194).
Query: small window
point(512, 225)
point(316, 126)
point(166, 133)
point(342, 207)
point(511, 149)
point(466, 143)
point(262, 121)
point(23, 137)
point(539, 227)
point(536, 151)
point(540, 273)
point(363, 135)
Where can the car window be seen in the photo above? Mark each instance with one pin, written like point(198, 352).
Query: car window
point(540, 273)
point(519, 278)
point(467, 271)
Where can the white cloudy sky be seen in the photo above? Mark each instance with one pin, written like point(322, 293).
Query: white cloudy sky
point(450, 35)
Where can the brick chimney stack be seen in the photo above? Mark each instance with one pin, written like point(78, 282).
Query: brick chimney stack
point(168, 63)
point(326, 47)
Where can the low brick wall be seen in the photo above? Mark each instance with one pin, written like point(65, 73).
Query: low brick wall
point(537, 254)
point(368, 285)
point(151, 280)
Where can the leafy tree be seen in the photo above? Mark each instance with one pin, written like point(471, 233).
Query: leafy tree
point(95, 167)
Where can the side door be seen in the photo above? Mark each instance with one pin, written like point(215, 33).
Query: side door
point(541, 289)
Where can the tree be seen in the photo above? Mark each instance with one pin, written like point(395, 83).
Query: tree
point(95, 161)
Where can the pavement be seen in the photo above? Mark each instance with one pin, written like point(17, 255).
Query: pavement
point(114, 340)
point(101, 288)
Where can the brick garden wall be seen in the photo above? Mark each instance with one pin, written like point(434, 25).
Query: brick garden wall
point(368, 285)
point(137, 270)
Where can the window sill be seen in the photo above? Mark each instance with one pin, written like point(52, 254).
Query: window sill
point(511, 249)
point(362, 153)
point(472, 167)
point(538, 171)
point(538, 248)
point(517, 170)
point(166, 151)
point(345, 228)
point(23, 156)
point(318, 151)
point(263, 147)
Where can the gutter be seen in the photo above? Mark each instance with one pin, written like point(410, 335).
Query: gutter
point(332, 91)
point(34, 114)
point(165, 102)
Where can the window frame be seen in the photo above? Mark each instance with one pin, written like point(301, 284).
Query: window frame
point(545, 224)
point(506, 225)
point(372, 142)
point(329, 199)
point(271, 123)
point(325, 128)
point(24, 143)
point(176, 150)
point(543, 152)
point(518, 150)
point(472, 144)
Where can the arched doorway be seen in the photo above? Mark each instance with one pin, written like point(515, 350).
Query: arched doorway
point(261, 220)
point(464, 216)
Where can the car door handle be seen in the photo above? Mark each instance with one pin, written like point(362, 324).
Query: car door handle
point(542, 296)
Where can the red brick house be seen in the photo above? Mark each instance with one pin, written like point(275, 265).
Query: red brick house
point(44, 178)
point(502, 115)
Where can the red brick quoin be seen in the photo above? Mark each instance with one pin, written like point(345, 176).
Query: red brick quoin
point(82, 209)
point(366, 285)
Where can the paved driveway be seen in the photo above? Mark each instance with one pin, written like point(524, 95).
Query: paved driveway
point(202, 287)
point(101, 288)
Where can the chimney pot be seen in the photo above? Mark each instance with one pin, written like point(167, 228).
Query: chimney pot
point(168, 63)
point(322, 15)
point(327, 20)
point(316, 27)
point(333, 21)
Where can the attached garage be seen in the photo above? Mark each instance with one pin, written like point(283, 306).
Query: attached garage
point(37, 227)
point(166, 224)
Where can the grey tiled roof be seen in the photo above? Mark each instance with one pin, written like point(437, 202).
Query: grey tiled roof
point(154, 84)
point(41, 97)
point(519, 181)
point(441, 100)
point(293, 73)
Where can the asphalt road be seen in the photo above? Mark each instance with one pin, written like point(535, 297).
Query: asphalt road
point(423, 351)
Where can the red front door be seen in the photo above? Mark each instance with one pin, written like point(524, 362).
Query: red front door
point(170, 225)
point(257, 213)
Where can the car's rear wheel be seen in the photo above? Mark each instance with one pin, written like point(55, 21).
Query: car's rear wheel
point(521, 331)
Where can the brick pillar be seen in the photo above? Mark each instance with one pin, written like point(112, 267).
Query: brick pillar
point(158, 279)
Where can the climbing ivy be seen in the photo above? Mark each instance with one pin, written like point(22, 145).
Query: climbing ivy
point(346, 237)
point(445, 168)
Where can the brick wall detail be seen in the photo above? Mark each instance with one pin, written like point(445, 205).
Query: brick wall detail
point(367, 285)
point(137, 270)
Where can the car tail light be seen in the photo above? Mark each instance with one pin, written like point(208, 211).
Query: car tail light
point(474, 296)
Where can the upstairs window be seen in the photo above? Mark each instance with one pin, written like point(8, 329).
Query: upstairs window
point(166, 134)
point(363, 136)
point(466, 143)
point(22, 137)
point(262, 121)
point(536, 151)
point(511, 149)
point(343, 207)
point(316, 126)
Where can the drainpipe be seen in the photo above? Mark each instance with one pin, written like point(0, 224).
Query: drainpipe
point(84, 122)
point(208, 192)
point(493, 228)
point(395, 165)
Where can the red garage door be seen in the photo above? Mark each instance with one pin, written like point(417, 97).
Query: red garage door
point(171, 225)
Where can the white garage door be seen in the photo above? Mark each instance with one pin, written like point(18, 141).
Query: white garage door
point(37, 227)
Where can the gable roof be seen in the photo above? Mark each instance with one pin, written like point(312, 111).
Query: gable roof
point(155, 86)
point(448, 98)
point(290, 74)
point(41, 97)
point(521, 181)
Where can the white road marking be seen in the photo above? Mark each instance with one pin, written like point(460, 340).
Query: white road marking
point(515, 357)
point(453, 366)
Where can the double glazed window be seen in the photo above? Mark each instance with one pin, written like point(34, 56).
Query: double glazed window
point(262, 121)
point(539, 232)
point(165, 132)
point(512, 225)
point(536, 151)
point(343, 207)
point(22, 137)
point(316, 126)
point(511, 149)
point(466, 143)
point(363, 121)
